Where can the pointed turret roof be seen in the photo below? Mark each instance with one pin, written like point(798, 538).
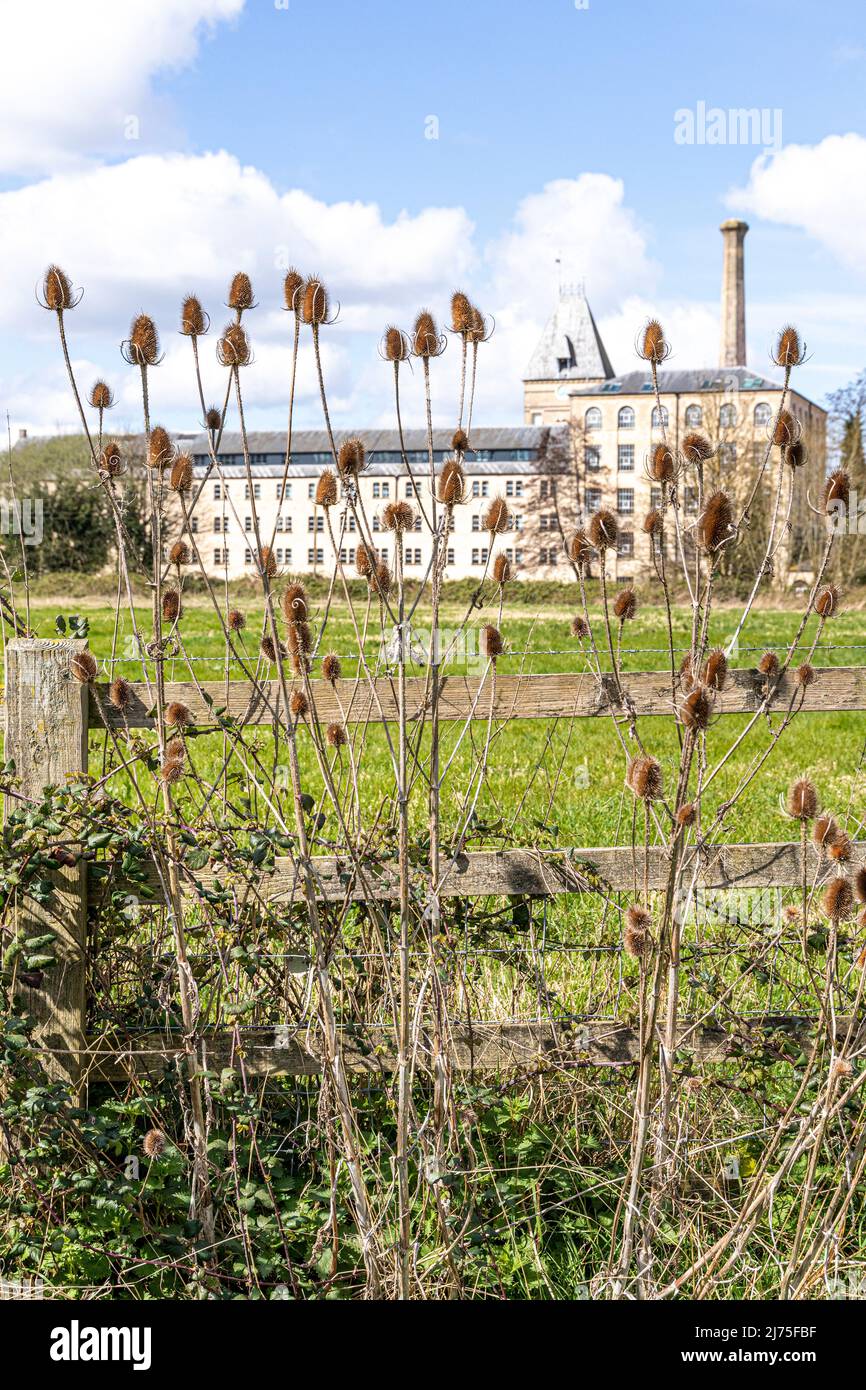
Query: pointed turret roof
point(570, 347)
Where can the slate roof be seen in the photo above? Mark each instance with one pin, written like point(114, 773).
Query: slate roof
point(570, 347)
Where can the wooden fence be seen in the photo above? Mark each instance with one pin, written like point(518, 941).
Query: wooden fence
point(49, 713)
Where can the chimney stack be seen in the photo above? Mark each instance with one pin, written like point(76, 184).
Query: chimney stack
point(733, 349)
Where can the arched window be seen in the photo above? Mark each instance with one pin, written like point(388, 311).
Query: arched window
point(660, 417)
point(727, 416)
point(694, 417)
point(763, 415)
point(625, 418)
point(592, 418)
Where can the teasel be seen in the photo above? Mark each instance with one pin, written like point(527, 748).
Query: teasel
point(461, 312)
point(580, 550)
point(651, 345)
point(193, 319)
point(786, 429)
point(326, 489)
point(636, 938)
point(331, 668)
point(805, 675)
point(178, 715)
point(769, 665)
point(715, 524)
point(824, 831)
point(352, 457)
point(837, 489)
point(293, 284)
point(154, 1143)
point(236, 621)
point(838, 899)
point(314, 302)
point(83, 666)
point(687, 674)
point(501, 569)
point(394, 346)
point(295, 604)
point(495, 519)
point(173, 769)
point(268, 648)
point(160, 449)
point(426, 342)
point(267, 562)
point(233, 348)
point(789, 350)
point(451, 486)
point(661, 464)
point(604, 530)
point(380, 580)
point(696, 448)
point(795, 455)
point(299, 704)
point(491, 642)
point(141, 348)
point(652, 522)
point(644, 777)
point(120, 693)
point(171, 606)
point(686, 814)
point(57, 291)
point(715, 672)
point(180, 477)
point(696, 709)
point(241, 292)
point(336, 735)
point(398, 516)
point(179, 554)
point(460, 441)
point(100, 396)
point(579, 627)
point(625, 605)
point(841, 848)
point(477, 331)
point(364, 561)
point(860, 883)
point(802, 800)
point(299, 639)
point(213, 419)
point(111, 459)
point(828, 601)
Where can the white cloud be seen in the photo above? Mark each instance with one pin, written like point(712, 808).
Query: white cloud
point(818, 188)
point(75, 70)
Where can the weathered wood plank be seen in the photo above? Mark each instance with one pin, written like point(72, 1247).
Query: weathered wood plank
point(526, 872)
point(487, 1047)
point(46, 735)
point(551, 695)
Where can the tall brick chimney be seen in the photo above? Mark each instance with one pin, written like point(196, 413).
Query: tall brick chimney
point(733, 348)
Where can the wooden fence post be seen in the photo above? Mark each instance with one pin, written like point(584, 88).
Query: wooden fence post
point(46, 736)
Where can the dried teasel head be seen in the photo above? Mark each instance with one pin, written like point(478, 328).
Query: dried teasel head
point(193, 321)
point(828, 601)
point(687, 674)
point(241, 292)
point(495, 519)
point(769, 665)
point(789, 349)
point(364, 561)
point(491, 642)
point(652, 522)
point(177, 715)
point(461, 312)
point(326, 489)
point(267, 561)
point(837, 490)
point(100, 396)
point(331, 667)
point(580, 550)
point(111, 459)
point(460, 441)
point(179, 554)
point(841, 847)
point(860, 883)
point(802, 803)
point(625, 604)
point(295, 604)
point(293, 283)
point(805, 675)
point(57, 293)
point(501, 569)
point(120, 693)
point(398, 516)
point(838, 900)
point(796, 454)
point(171, 606)
point(299, 704)
point(636, 938)
point(786, 429)
point(314, 302)
point(268, 648)
point(579, 627)
point(213, 419)
point(180, 477)
point(336, 735)
point(644, 777)
point(351, 457)
point(652, 346)
point(236, 620)
point(425, 336)
point(160, 449)
point(824, 831)
point(173, 770)
point(154, 1143)
point(379, 579)
point(83, 666)
point(715, 672)
point(696, 709)
point(395, 345)
point(142, 348)
point(477, 331)
point(299, 639)
point(233, 348)
point(661, 465)
point(451, 486)
point(686, 814)
point(696, 448)
point(715, 524)
point(604, 530)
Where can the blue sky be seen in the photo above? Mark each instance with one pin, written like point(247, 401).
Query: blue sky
point(301, 131)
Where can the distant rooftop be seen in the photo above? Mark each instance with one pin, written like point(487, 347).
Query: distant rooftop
point(570, 347)
point(688, 382)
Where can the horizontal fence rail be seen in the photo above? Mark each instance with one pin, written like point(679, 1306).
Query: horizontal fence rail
point(553, 695)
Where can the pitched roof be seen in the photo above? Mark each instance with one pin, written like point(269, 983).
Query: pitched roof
point(693, 380)
point(570, 347)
